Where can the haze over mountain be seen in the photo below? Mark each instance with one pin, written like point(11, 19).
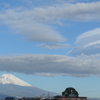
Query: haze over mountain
point(13, 86)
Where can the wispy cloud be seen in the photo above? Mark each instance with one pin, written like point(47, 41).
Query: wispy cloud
point(27, 1)
point(55, 46)
point(51, 65)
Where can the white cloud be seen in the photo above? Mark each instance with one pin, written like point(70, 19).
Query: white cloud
point(78, 11)
point(93, 43)
point(33, 23)
point(87, 43)
point(88, 37)
point(88, 50)
point(23, 22)
point(55, 46)
point(51, 65)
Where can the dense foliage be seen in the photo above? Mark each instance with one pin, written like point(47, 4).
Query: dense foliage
point(70, 92)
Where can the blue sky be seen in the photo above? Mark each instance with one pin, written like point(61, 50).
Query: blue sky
point(52, 44)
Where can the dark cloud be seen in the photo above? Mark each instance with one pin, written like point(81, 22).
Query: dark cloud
point(51, 65)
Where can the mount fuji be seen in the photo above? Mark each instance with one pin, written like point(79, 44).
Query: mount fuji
point(11, 79)
point(13, 86)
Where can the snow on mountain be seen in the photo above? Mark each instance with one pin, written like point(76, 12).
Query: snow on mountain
point(11, 79)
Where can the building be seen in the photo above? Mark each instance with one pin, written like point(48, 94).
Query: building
point(72, 98)
point(70, 94)
point(9, 98)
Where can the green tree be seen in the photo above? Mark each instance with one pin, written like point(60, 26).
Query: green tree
point(70, 92)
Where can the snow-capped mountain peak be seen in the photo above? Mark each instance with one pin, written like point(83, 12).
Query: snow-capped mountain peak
point(11, 79)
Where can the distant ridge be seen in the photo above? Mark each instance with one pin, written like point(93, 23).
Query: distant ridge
point(93, 98)
point(2, 96)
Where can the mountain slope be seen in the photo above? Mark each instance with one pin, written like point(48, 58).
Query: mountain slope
point(2, 96)
point(13, 86)
point(21, 91)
